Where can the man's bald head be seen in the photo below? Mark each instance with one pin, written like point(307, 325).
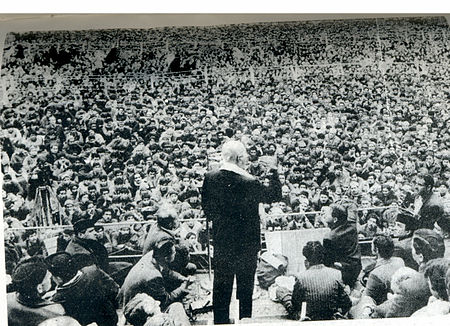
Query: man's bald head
point(234, 152)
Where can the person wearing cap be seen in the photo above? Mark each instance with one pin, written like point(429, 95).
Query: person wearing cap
point(152, 275)
point(172, 197)
point(230, 199)
point(87, 294)
point(427, 210)
point(85, 244)
point(90, 251)
point(26, 306)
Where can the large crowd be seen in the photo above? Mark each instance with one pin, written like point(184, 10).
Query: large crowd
point(108, 125)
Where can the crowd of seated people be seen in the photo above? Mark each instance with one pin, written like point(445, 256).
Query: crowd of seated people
point(108, 130)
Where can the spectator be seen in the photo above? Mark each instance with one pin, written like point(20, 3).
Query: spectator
point(370, 229)
point(33, 244)
point(167, 228)
point(411, 293)
point(435, 271)
point(319, 286)
point(168, 287)
point(87, 294)
point(427, 245)
point(26, 305)
point(341, 244)
point(85, 246)
point(379, 281)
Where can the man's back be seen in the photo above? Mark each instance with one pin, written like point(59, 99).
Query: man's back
point(143, 272)
point(21, 313)
point(88, 252)
point(90, 297)
point(341, 244)
point(322, 290)
point(155, 235)
point(230, 201)
point(379, 281)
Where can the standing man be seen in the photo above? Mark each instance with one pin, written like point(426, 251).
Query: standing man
point(341, 243)
point(428, 210)
point(230, 199)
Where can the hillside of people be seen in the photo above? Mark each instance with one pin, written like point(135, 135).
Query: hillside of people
point(109, 125)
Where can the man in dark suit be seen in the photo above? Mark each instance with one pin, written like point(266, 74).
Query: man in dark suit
point(167, 228)
point(85, 246)
point(341, 243)
point(230, 199)
point(428, 210)
point(86, 250)
point(427, 207)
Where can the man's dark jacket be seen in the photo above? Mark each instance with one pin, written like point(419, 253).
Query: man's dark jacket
point(155, 235)
point(90, 297)
point(147, 276)
point(231, 201)
point(322, 289)
point(31, 312)
point(341, 246)
point(88, 252)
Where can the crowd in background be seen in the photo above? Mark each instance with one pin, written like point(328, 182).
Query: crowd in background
point(106, 125)
point(101, 127)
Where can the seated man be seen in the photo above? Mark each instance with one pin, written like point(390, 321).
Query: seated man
point(31, 280)
point(379, 281)
point(167, 228)
point(89, 251)
point(426, 245)
point(370, 229)
point(319, 286)
point(85, 245)
point(411, 292)
point(87, 294)
point(152, 275)
point(435, 273)
point(143, 310)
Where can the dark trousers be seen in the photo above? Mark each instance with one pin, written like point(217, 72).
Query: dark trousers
point(350, 272)
point(243, 266)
